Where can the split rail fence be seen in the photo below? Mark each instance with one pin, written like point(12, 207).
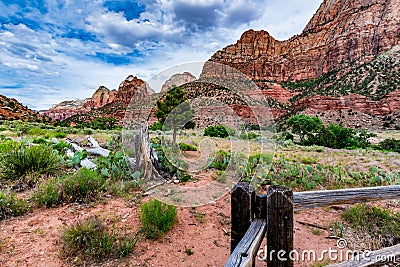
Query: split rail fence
point(271, 214)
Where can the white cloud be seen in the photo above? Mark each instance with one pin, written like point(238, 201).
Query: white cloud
point(115, 29)
point(21, 66)
point(60, 59)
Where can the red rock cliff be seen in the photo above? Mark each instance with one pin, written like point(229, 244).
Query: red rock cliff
point(341, 31)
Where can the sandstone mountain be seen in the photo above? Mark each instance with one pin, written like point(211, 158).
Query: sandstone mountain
point(132, 88)
point(11, 109)
point(132, 91)
point(344, 66)
point(177, 80)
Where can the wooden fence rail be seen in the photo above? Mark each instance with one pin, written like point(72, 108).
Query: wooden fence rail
point(272, 213)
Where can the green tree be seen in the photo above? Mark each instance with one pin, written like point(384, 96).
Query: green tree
point(173, 111)
point(306, 127)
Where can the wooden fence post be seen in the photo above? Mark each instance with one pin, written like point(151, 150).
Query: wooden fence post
point(279, 226)
point(242, 211)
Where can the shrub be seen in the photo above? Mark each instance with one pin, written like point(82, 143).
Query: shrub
point(12, 205)
point(23, 161)
point(157, 126)
point(60, 146)
point(219, 131)
point(104, 124)
point(36, 131)
point(40, 140)
point(187, 147)
point(249, 136)
point(91, 240)
point(83, 186)
point(389, 145)
point(375, 221)
point(48, 193)
point(309, 160)
point(60, 135)
point(87, 131)
point(221, 160)
point(157, 218)
point(8, 145)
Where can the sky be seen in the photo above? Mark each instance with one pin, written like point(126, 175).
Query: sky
point(56, 50)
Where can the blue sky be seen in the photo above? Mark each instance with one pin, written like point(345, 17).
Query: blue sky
point(55, 50)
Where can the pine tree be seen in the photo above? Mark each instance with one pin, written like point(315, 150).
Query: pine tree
point(173, 111)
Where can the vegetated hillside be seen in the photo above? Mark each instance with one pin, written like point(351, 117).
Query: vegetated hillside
point(374, 79)
point(210, 101)
point(343, 67)
point(11, 109)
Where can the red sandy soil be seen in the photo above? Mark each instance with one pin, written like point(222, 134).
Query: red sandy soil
point(34, 239)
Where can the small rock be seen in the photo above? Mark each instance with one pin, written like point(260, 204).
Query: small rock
point(176, 181)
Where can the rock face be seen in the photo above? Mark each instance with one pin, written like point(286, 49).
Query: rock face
point(131, 89)
point(341, 32)
point(346, 58)
point(390, 103)
point(177, 80)
point(66, 109)
point(101, 97)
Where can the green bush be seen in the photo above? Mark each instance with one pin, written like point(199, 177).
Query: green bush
point(308, 160)
point(91, 240)
point(83, 186)
point(187, 147)
point(312, 132)
point(60, 135)
point(60, 146)
point(157, 218)
point(12, 205)
point(23, 161)
point(87, 131)
point(219, 131)
point(221, 160)
point(389, 145)
point(48, 193)
point(36, 131)
point(40, 140)
point(157, 126)
point(8, 145)
point(249, 136)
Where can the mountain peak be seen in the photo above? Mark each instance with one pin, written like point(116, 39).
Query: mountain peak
point(340, 32)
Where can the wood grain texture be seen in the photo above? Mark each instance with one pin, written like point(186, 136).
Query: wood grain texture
point(246, 251)
point(242, 215)
point(280, 226)
point(313, 199)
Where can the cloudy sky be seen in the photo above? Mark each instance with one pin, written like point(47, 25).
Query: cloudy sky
point(55, 50)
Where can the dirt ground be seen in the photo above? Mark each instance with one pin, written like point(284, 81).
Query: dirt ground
point(34, 239)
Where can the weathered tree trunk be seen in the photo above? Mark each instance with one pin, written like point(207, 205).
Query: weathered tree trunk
point(146, 158)
point(174, 137)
